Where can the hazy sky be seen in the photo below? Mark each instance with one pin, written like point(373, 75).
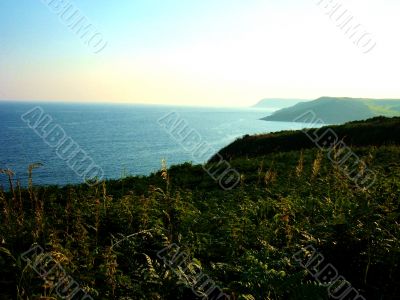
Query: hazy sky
point(209, 52)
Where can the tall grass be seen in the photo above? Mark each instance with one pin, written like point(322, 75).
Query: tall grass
point(107, 237)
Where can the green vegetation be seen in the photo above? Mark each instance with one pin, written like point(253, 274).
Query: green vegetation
point(389, 108)
point(339, 110)
point(373, 132)
point(107, 237)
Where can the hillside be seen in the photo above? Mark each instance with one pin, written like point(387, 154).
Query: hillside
point(177, 235)
point(277, 103)
point(377, 131)
point(339, 110)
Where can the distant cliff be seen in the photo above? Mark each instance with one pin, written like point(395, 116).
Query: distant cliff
point(339, 110)
point(277, 103)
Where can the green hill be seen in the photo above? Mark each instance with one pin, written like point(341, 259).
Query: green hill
point(377, 131)
point(339, 110)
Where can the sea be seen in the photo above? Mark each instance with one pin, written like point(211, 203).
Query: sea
point(121, 139)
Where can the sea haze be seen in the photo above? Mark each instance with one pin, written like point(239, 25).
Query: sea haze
point(122, 139)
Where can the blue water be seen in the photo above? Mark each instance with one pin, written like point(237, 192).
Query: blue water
point(122, 139)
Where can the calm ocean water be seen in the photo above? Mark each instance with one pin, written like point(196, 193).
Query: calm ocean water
point(121, 139)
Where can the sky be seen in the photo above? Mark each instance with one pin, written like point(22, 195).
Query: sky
point(209, 52)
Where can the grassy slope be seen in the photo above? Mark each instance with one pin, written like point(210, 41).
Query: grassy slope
point(373, 132)
point(243, 239)
point(388, 108)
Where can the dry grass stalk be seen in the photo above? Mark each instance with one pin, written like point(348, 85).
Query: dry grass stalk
point(300, 165)
point(316, 166)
